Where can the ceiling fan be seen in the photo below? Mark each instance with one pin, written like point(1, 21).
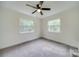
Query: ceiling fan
point(38, 8)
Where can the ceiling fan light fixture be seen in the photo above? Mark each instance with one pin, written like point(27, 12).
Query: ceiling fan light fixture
point(39, 10)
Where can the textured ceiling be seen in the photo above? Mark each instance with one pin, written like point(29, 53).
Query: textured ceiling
point(56, 7)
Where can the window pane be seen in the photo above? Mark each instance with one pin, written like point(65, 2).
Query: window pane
point(54, 25)
point(26, 26)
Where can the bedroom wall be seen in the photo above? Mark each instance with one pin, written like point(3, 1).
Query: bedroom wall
point(9, 24)
point(69, 33)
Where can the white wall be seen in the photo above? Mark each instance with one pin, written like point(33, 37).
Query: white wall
point(69, 33)
point(9, 24)
point(9, 28)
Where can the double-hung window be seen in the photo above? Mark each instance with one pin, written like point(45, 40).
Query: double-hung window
point(54, 25)
point(26, 26)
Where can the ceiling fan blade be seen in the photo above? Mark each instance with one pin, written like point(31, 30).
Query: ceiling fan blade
point(41, 12)
point(31, 6)
point(38, 6)
point(41, 2)
point(34, 12)
point(46, 9)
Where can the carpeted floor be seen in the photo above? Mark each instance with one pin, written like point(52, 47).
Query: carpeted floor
point(37, 48)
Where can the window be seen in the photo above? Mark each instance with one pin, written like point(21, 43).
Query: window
point(54, 25)
point(26, 25)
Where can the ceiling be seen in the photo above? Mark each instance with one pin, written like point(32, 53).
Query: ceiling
point(56, 7)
